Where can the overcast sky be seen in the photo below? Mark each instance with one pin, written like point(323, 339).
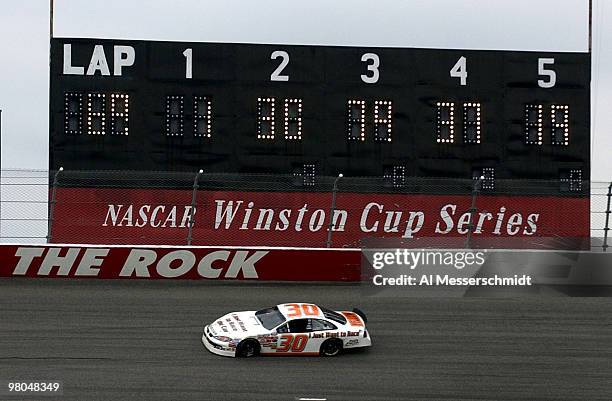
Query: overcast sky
point(551, 25)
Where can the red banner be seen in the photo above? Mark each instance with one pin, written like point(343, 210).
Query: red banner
point(156, 216)
point(192, 263)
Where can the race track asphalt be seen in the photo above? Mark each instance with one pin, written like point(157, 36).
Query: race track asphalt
point(139, 340)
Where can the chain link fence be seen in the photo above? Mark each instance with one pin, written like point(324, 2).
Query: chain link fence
point(128, 207)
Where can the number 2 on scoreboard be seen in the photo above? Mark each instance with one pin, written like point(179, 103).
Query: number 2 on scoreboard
point(276, 75)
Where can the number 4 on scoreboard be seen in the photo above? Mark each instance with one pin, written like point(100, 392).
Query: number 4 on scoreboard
point(459, 70)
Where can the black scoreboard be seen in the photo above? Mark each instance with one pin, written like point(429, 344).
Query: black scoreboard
point(251, 108)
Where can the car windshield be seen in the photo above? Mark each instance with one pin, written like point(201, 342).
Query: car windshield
point(331, 315)
point(270, 317)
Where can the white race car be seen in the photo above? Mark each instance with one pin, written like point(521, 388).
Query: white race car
point(287, 329)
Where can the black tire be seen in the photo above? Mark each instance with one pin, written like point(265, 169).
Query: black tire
point(248, 348)
point(331, 347)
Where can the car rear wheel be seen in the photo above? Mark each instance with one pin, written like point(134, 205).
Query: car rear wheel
point(247, 349)
point(331, 347)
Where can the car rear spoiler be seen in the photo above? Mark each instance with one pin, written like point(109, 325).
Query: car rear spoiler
point(361, 314)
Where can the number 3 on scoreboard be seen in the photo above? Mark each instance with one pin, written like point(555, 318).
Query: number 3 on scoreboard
point(373, 68)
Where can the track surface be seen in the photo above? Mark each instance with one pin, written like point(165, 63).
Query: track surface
point(137, 340)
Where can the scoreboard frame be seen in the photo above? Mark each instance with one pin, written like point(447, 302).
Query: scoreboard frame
point(360, 110)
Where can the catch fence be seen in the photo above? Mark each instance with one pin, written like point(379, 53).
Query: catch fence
point(199, 208)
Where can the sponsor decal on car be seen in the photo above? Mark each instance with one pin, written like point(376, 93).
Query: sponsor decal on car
point(353, 319)
point(240, 322)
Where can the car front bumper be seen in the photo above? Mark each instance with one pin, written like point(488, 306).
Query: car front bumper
point(217, 347)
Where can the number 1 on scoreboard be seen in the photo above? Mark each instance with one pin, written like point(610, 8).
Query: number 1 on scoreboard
point(188, 53)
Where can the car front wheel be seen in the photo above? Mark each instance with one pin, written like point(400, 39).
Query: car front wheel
point(247, 349)
point(331, 347)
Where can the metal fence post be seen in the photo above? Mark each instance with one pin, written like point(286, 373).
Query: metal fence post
point(475, 192)
point(52, 204)
point(193, 205)
point(608, 212)
point(332, 210)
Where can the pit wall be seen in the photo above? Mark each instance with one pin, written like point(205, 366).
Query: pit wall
point(181, 263)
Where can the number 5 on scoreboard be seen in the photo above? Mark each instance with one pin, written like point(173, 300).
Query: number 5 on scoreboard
point(543, 71)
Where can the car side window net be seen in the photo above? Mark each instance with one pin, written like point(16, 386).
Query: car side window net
point(300, 326)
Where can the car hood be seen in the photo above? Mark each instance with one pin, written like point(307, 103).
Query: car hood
point(236, 325)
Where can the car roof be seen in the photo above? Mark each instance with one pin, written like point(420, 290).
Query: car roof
point(306, 310)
